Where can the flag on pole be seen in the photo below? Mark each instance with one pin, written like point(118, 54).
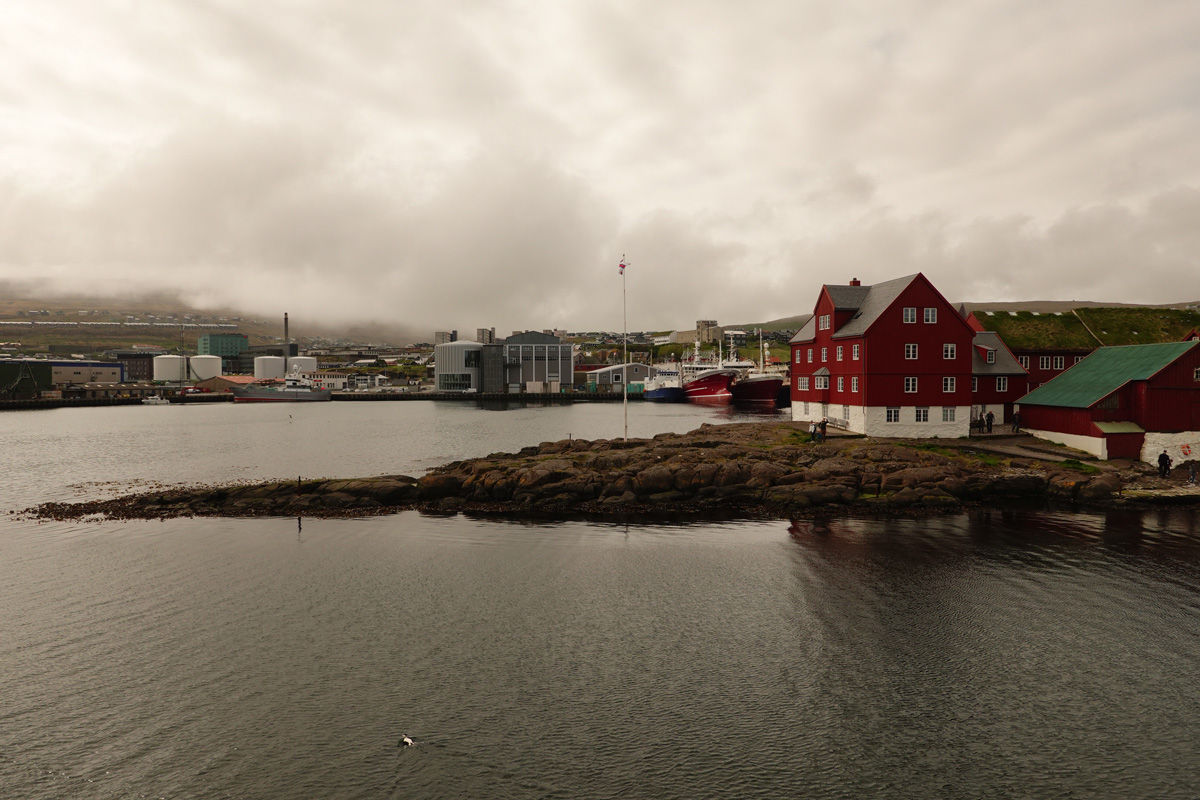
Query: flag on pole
point(621, 266)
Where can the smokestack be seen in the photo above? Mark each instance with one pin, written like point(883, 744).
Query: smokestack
point(855, 282)
point(286, 339)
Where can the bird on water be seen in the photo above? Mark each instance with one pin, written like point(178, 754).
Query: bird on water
point(406, 742)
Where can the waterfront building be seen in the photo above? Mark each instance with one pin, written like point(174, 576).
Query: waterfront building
point(997, 379)
point(608, 379)
point(537, 362)
point(893, 359)
point(457, 366)
point(1131, 401)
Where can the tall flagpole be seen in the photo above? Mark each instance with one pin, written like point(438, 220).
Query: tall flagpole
point(625, 365)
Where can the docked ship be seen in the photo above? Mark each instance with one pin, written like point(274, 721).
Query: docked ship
point(292, 389)
point(755, 386)
point(711, 386)
point(665, 386)
point(757, 389)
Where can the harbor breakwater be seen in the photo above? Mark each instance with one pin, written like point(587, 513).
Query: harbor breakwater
point(751, 470)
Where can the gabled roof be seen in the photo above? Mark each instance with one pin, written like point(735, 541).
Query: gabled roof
point(1104, 371)
point(1005, 363)
point(868, 301)
point(875, 301)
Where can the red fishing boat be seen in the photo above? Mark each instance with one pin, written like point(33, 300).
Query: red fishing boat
point(711, 386)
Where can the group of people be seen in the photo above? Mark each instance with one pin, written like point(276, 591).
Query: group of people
point(817, 430)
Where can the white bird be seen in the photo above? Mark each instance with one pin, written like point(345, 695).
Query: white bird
point(406, 742)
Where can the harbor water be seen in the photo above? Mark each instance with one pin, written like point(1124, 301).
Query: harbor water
point(989, 654)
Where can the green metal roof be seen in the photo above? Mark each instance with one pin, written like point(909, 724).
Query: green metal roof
point(1103, 372)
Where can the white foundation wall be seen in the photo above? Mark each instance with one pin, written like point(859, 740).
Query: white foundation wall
point(1095, 445)
point(855, 422)
point(1181, 447)
point(875, 423)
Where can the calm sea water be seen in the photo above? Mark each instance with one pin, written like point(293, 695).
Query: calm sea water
point(1001, 654)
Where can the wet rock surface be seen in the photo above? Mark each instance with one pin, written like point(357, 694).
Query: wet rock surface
point(748, 470)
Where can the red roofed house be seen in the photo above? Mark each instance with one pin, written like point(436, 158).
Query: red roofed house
point(893, 359)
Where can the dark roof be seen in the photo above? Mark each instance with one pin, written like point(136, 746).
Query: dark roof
point(1005, 364)
point(868, 301)
point(878, 299)
point(1103, 372)
point(532, 337)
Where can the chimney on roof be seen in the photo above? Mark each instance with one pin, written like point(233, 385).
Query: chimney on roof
point(855, 282)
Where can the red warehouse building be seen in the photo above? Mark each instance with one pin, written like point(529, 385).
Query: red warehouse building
point(892, 359)
point(1123, 402)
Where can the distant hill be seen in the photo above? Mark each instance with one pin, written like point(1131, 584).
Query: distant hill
point(19, 303)
point(783, 324)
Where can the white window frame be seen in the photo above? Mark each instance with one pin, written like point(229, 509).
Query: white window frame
point(810, 351)
point(948, 413)
point(839, 352)
point(854, 383)
point(948, 384)
point(824, 355)
point(991, 357)
point(1060, 362)
point(910, 352)
point(1043, 362)
point(910, 315)
point(1001, 383)
point(910, 385)
point(949, 351)
point(921, 414)
point(802, 383)
point(797, 355)
point(841, 384)
point(854, 352)
point(1023, 361)
point(821, 382)
point(892, 414)
point(974, 385)
point(931, 316)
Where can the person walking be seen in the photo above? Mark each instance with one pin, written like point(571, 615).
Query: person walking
point(823, 426)
point(990, 418)
point(1164, 465)
point(1016, 422)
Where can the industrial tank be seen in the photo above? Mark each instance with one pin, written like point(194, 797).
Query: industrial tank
point(302, 364)
point(169, 368)
point(266, 367)
point(205, 367)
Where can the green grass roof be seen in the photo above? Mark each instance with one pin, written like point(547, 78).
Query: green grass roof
point(1117, 326)
point(1105, 371)
point(1026, 330)
point(1086, 328)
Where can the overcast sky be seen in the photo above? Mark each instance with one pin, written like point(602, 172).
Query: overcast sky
point(449, 164)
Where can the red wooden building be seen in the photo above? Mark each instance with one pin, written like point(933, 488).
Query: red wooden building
point(1123, 402)
point(892, 359)
point(997, 379)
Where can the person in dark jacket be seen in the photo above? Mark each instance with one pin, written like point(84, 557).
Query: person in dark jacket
point(1164, 465)
point(990, 419)
point(1016, 422)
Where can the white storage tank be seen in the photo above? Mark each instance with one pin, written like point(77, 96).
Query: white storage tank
point(266, 367)
point(205, 367)
point(301, 364)
point(169, 368)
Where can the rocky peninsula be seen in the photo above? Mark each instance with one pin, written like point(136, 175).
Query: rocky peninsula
point(747, 470)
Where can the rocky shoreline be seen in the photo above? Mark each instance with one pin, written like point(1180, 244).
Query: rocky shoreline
point(746, 470)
